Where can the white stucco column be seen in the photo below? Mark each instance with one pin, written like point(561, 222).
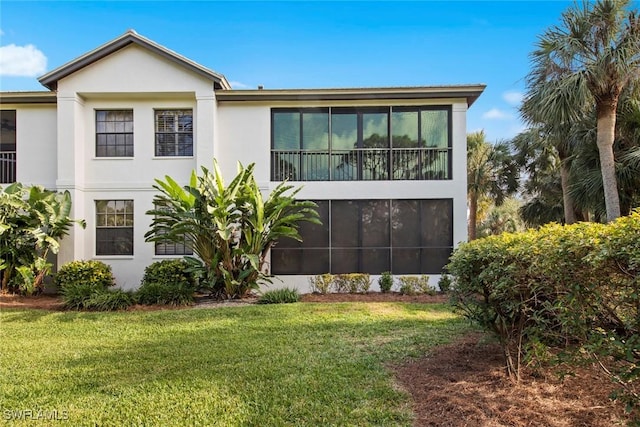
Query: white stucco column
point(205, 123)
point(72, 149)
point(459, 135)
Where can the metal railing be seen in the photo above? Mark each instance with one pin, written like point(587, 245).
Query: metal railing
point(366, 164)
point(7, 167)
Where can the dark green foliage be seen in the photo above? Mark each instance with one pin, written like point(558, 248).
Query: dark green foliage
point(568, 290)
point(110, 300)
point(167, 282)
point(445, 283)
point(279, 296)
point(84, 285)
point(385, 282)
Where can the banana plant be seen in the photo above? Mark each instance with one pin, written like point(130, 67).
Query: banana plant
point(229, 227)
point(33, 220)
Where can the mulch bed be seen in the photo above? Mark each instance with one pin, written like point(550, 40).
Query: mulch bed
point(463, 383)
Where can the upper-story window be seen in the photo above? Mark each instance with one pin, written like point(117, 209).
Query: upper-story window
point(367, 143)
point(174, 133)
point(7, 146)
point(114, 133)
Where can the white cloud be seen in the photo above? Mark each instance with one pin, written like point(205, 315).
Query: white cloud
point(238, 85)
point(23, 61)
point(496, 114)
point(513, 97)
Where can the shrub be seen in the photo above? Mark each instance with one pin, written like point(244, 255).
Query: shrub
point(414, 285)
point(385, 282)
point(93, 274)
point(352, 283)
point(321, 284)
point(445, 283)
point(78, 281)
point(566, 290)
point(279, 296)
point(167, 282)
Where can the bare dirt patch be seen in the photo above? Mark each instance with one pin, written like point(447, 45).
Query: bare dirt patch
point(464, 384)
point(44, 302)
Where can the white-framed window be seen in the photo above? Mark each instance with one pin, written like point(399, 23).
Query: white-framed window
point(114, 227)
point(174, 133)
point(114, 133)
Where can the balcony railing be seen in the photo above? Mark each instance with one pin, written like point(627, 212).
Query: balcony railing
point(7, 167)
point(367, 164)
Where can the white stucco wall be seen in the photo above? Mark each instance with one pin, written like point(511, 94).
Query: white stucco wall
point(132, 79)
point(36, 152)
point(56, 148)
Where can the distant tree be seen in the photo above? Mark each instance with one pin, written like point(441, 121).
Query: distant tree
point(491, 172)
point(587, 60)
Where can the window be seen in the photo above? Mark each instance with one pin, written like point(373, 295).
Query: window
point(7, 146)
point(372, 143)
point(371, 236)
point(114, 133)
point(114, 227)
point(174, 133)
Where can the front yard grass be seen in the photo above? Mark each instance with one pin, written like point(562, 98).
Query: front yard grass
point(294, 364)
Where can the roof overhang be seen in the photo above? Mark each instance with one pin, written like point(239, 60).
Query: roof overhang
point(469, 92)
point(50, 80)
point(28, 97)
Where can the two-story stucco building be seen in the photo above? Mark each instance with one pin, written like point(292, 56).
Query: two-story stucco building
point(387, 166)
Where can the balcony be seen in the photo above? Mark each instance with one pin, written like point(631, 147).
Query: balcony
point(367, 164)
point(7, 167)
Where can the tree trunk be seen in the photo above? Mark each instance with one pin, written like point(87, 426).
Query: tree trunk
point(569, 209)
point(605, 137)
point(473, 212)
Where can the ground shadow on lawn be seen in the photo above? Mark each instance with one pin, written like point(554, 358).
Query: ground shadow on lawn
point(463, 383)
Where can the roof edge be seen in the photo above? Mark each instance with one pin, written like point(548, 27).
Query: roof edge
point(470, 92)
point(50, 79)
point(35, 97)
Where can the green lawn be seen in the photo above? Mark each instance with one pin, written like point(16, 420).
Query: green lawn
point(296, 364)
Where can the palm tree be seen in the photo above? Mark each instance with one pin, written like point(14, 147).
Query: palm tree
point(588, 60)
point(491, 173)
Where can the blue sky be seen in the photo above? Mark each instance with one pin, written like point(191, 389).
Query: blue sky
point(302, 44)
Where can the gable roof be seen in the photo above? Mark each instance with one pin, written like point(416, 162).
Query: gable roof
point(50, 80)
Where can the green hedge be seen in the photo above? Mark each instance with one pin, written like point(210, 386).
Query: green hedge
point(569, 290)
point(167, 282)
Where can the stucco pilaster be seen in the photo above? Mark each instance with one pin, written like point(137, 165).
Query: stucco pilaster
point(205, 124)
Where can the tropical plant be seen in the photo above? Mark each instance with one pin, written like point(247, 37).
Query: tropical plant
point(587, 60)
point(491, 174)
point(230, 228)
point(32, 222)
